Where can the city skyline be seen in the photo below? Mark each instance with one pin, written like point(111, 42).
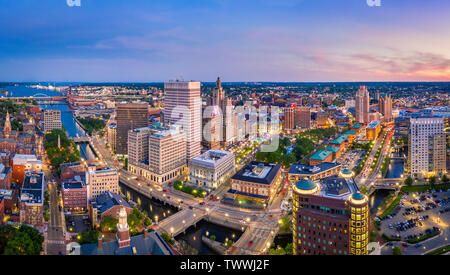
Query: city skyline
point(287, 41)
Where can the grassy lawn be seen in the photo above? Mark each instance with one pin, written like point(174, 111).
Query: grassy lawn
point(392, 206)
point(422, 238)
point(199, 193)
point(439, 251)
point(425, 187)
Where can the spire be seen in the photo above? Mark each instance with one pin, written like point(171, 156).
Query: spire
point(123, 230)
point(218, 83)
point(7, 128)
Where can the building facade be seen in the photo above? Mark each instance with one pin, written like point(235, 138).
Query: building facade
point(166, 157)
point(74, 195)
point(362, 102)
point(100, 181)
point(330, 217)
point(257, 181)
point(31, 204)
point(129, 116)
point(426, 144)
point(52, 120)
point(211, 169)
point(182, 106)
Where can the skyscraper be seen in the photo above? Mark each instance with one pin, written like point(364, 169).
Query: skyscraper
point(129, 116)
point(227, 134)
point(330, 217)
point(302, 117)
point(362, 102)
point(289, 121)
point(385, 106)
point(427, 155)
point(182, 106)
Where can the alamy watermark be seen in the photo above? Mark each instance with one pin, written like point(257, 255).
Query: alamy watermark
point(373, 3)
point(73, 3)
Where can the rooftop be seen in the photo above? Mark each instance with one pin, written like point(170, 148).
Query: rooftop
point(356, 126)
point(107, 201)
point(341, 138)
point(73, 185)
point(333, 149)
point(321, 155)
point(211, 157)
point(304, 169)
point(33, 188)
point(139, 245)
point(258, 172)
point(373, 124)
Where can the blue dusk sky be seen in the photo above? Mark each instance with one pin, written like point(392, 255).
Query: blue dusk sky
point(240, 40)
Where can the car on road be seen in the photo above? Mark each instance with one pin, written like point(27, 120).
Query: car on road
point(250, 243)
point(418, 245)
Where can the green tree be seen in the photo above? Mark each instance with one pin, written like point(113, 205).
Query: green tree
point(212, 238)
point(166, 237)
point(289, 249)
point(445, 179)
point(432, 181)
point(408, 181)
point(24, 241)
point(109, 224)
point(396, 251)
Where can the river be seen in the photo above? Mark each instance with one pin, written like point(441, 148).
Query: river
point(69, 123)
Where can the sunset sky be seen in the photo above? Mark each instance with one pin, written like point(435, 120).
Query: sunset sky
point(240, 40)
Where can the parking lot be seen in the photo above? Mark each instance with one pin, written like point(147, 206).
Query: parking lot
point(78, 223)
point(351, 159)
point(418, 214)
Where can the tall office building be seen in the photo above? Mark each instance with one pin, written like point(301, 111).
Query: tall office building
point(302, 117)
point(227, 134)
point(385, 106)
point(182, 106)
point(330, 217)
point(289, 118)
point(212, 127)
point(427, 153)
point(129, 116)
point(52, 120)
point(362, 102)
point(159, 153)
point(138, 145)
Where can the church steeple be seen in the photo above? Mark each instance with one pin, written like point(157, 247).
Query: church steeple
point(7, 128)
point(123, 230)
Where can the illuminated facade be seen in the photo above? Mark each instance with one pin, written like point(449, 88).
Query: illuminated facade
point(330, 218)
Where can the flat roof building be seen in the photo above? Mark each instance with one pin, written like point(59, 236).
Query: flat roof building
point(211, 168)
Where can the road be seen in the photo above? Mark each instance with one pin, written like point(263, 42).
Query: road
point(55, 232)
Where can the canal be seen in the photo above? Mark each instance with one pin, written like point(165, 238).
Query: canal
point(69, 123)
point(377, 198)
point(193, 235)
point(395, 169)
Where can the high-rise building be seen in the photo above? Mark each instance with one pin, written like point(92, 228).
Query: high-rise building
point(160, 153)
point(289, 118)
point(138, 145)
point(302, 117)
point(212, 127)
point(226, 134)
point(52, 120)
point(129, 116)
point(330, 217)
point(362, 102)
point(426, 154)
point(182, 106)
point(385, 106)
point(112, 136)
point(100, 181)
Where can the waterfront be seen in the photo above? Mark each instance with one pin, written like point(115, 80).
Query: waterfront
point(396, 169)
point(377, 198)
point(193, 236)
